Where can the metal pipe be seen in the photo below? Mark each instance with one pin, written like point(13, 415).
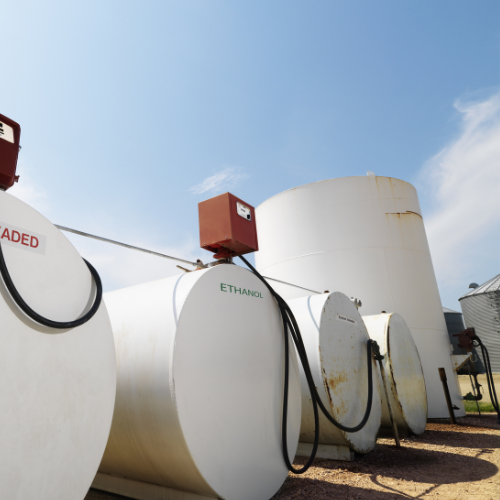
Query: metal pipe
point(442, 375)
point(291, 284)
point(125, 245)
point(473, 388)
point(197, 264)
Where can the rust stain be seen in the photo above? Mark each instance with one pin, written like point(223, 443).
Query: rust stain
point(332, 390)
point(408, 212)
point(339, 379)
point(338, 410)
point(414, 213)
point(394, 388)
point(327, 387)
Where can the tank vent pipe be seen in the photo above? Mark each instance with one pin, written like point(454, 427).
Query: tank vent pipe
point(198, 263)
point(442, 376)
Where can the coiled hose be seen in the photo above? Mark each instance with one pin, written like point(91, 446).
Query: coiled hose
point(37, 317)
point(290, 325)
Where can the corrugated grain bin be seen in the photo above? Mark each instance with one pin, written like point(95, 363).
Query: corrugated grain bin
point(336, 339)
point(200, 388)
point(403, 369)
point(364, 236)
point(57, 386)
point(481, 308)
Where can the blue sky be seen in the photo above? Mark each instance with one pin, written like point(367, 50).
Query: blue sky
point(133, 112)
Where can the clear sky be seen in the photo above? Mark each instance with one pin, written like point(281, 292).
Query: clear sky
point(133, 112)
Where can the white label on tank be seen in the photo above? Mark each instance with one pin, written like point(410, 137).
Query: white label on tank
point(22, 238)
point(6, 132)
point(343, 317)
point(243, 211)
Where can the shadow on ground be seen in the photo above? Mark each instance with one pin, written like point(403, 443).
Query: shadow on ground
point(102, 495)
point(312, 489)
point(386, 470)
point(458, 440)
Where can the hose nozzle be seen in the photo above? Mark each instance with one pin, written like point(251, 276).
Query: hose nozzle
point(376, 351)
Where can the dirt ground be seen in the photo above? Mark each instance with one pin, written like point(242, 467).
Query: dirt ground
point(447, 462)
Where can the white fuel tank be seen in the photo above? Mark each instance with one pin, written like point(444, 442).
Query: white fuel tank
point(366, 237)
point(57, 387)
point(402, 365)
point(336, 339)
point(200, 387)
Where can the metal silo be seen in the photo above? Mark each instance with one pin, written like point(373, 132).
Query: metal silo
point(365, 237)
point(481, 309)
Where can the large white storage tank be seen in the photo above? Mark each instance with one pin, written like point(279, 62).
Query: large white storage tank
point(336, 341)
point(57, 388)
point(200, 389)
point(364, 236)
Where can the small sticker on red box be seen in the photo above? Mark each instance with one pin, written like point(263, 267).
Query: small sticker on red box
point(243, 211)
point(6, 132)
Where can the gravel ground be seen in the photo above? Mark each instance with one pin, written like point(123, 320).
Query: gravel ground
point(447, 462)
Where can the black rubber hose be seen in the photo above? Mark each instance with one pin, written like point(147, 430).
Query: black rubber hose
point(288, 328)
point(284, 422)
point(303, 355)
point(489, 377)
point(491, 384)
point(370, 389)
point(37, 317)
point(290, 324)
point(478, 396)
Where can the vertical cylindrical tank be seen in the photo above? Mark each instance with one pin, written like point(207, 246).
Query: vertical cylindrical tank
point(57, 387)
point(364, 236)
point(200, 388)
point(336, 340)
point(481, 308)
point(408, 397)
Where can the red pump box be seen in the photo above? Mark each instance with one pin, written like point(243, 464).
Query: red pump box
point(10, 134)
point(227, 226)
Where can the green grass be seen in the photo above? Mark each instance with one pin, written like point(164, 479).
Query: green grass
point(471, 407)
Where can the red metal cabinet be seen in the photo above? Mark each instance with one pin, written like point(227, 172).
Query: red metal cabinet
point(10, 134)
point(227, 226)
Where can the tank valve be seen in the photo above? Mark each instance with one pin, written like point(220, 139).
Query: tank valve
point(356, 302)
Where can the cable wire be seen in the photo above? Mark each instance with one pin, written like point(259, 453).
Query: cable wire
point(489, 373)
point(39, 318)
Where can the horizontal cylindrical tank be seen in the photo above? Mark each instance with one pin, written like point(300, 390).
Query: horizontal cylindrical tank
point(200, 388)
point(336, 340)
point(364, 236)
point(57, 387)
point(408, 397)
